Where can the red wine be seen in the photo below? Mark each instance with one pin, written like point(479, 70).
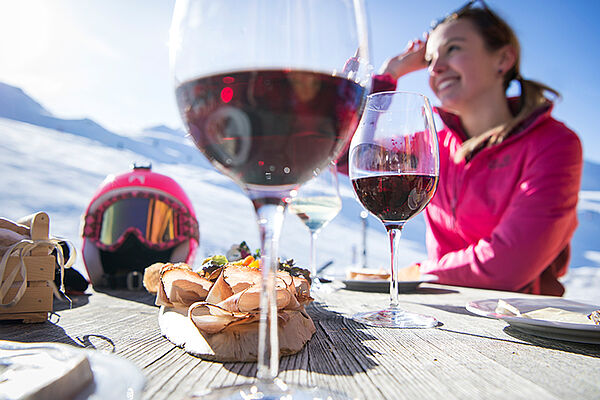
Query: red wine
point(395, 198)
point(271, 127)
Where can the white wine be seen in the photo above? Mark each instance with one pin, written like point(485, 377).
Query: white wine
point(316, 211)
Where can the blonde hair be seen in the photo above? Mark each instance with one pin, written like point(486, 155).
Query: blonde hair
point(496, 33)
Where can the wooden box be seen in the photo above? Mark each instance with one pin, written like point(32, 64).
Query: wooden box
point(36, 302)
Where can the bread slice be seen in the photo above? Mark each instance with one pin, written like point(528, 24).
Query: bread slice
point(42, 372)
point(368, 274)
point(559, 315)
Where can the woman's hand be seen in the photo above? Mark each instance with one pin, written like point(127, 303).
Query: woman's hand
point(412, 59)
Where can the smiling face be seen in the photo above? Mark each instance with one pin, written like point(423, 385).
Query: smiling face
point(463, 73)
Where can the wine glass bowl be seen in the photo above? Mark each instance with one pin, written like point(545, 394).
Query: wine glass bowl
point(394, 169)
point(393, 198)
point(259, 128)
point(270, 92)
point(281, 91)
point(316, 203)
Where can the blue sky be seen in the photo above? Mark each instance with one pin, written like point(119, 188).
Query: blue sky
point(108, 59)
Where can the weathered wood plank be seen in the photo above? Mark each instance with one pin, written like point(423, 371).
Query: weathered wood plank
point(468, 357)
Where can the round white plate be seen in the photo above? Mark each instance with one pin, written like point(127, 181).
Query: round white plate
point(573, 332)
point(114, 377)
point(382, 286)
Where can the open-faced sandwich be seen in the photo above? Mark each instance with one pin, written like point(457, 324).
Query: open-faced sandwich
point(220, 306)
point(549, 314)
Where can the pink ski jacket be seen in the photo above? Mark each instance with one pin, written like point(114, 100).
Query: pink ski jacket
point(504, 219)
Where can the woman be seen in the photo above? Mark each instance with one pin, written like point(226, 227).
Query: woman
point(505, 209)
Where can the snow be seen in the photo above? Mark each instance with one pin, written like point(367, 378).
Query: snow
point(55, 165)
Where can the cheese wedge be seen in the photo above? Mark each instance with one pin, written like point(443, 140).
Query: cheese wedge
point(505, 308)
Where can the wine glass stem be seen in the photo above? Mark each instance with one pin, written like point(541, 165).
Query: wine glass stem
point(394, 234)
point(313, 253)
point(270, 222)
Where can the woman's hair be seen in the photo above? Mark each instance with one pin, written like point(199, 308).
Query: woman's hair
point(496, 33)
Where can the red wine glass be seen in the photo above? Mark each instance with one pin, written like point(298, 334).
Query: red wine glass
point(394, 168)
point(270, 91)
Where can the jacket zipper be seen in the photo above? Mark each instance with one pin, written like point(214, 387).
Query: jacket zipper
point(459, 180)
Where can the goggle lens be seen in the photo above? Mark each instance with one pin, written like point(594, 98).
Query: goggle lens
point(155, 220)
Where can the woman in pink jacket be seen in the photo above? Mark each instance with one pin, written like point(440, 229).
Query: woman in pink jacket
point(505, 208)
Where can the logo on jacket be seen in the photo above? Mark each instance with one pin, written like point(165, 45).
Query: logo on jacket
point(498, 163)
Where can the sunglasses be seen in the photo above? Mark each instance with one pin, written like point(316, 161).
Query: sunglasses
point(460, 11)
point(156, 220)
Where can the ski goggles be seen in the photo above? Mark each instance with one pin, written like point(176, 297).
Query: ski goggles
point(156, 220)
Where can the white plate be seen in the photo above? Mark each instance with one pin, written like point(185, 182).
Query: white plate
point(114, 377)
point(572, 332)
point(382, 286)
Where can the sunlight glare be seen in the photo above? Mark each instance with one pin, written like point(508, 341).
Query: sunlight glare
point(25, 29)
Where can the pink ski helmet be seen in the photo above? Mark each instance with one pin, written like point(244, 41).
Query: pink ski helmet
point(135, 219)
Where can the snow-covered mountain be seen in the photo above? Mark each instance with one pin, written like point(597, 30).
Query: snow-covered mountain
point(55, 165)
point(591, 176)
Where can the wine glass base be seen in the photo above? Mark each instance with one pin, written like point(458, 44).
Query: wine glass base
point(395, 318)
point(274, 391)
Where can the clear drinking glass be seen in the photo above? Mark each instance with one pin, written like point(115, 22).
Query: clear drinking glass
point(270, 91)
point(316, 203)
point(394, 168)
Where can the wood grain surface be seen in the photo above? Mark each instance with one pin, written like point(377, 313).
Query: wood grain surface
point(466, 357)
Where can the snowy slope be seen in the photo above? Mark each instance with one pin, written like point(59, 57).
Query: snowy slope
point(43, 169)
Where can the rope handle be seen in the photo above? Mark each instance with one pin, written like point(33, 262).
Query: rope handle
point(22, 249)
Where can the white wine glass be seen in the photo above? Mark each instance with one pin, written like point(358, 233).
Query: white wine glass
point(394, 169)
point(316, 203)
point(270, 91)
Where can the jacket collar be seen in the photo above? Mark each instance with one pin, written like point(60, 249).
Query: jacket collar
point(453, 122)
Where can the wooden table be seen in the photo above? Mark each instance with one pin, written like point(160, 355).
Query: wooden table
point(468, 357)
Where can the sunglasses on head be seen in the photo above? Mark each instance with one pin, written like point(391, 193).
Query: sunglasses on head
point(460, 11)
